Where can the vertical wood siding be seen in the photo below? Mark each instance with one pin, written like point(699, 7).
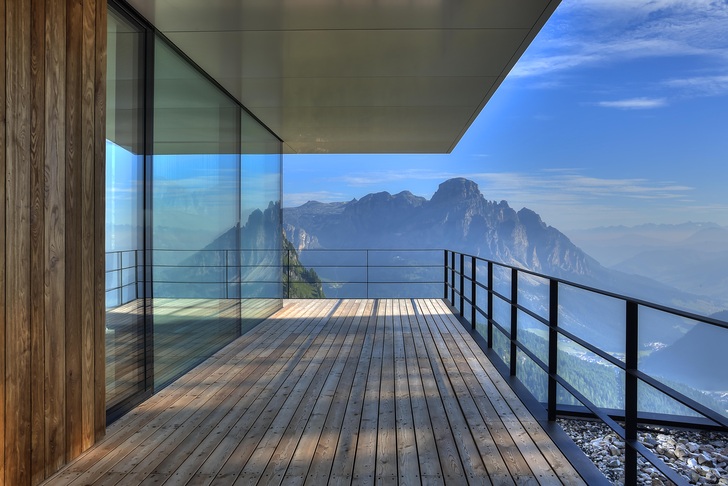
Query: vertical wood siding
point(52, 144)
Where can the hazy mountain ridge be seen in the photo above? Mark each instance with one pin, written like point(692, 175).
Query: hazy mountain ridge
point(457, 217)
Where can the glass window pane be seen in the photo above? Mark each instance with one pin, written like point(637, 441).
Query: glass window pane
point(195, 215)
point(125, 365)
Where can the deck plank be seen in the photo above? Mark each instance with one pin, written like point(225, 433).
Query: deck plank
point(333, 391)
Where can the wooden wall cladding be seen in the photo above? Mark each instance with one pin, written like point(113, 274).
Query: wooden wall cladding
point(52, 140)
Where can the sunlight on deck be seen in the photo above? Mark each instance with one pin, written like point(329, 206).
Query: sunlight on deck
point(338, 392)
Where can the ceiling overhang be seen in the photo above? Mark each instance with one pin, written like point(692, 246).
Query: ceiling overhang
point(356, 76)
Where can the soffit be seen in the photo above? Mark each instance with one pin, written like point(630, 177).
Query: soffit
point(355, 76)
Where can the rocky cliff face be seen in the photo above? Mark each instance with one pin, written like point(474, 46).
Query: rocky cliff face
point(457, 217)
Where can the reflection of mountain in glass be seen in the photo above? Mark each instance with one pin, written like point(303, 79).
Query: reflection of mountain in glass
point(240, 263)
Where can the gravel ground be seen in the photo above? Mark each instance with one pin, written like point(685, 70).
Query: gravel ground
point(700, 456)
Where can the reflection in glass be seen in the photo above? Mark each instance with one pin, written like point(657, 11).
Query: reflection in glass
point(195, 215)
point(125, 344)
point(261, 256)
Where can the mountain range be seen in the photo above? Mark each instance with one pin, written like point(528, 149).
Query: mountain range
point(459, 217)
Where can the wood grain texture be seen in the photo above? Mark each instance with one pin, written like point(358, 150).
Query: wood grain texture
point(17, 267)
point(3, 232)
point(300, 401)
point(74, 228)
point(88, 222)
point(99, 217)
point(51, 234)
point(55, 242)
point(37, 231)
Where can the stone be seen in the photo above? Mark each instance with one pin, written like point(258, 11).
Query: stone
point(614, 463)
point(649, 442)
point(704, 459)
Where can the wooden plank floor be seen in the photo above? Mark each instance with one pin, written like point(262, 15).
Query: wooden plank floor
point(333, 392)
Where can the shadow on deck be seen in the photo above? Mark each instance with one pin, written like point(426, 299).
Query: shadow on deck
point(338, 392)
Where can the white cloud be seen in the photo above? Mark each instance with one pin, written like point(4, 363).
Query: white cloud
point(701, 85)
point(598, 32)
point(634, 103)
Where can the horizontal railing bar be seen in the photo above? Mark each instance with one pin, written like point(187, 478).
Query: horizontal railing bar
point(533, 315)
point(506, 332)
point(502, 297)
point(652, 418)
point(533, 357)
point(118, 269)
point(683, 399)
point(596, 411)
point(590, 347)
point(606, 293)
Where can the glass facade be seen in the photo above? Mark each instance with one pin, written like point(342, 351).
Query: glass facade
point(125, 323)
point(193, 213)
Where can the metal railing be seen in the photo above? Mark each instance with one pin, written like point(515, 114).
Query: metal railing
point(369, 273)
point(476, 297)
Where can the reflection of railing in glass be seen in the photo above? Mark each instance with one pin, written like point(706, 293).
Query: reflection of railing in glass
point(543, 350)
point(122, 277)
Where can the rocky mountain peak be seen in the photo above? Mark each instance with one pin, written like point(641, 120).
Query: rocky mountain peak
point(455, 190)
point(530, 219)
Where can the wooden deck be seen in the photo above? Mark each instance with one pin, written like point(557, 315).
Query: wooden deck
point(337, 392)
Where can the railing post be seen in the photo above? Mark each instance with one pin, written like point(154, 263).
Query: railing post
point(119, 268)
point(514, 320)
point(366, 262)
point(452, 277)
point(444, 275)
point(553, 347)
point(490, 304)
point(473, 292)
point(288, 273)
point(227, 273)
point(462, 283)
point(630, 392)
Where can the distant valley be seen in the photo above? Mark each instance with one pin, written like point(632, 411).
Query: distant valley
point(692, 257)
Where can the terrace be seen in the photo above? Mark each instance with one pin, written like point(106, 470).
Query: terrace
point(387, 380)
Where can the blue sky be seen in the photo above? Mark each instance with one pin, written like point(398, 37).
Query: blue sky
point(616, 114)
